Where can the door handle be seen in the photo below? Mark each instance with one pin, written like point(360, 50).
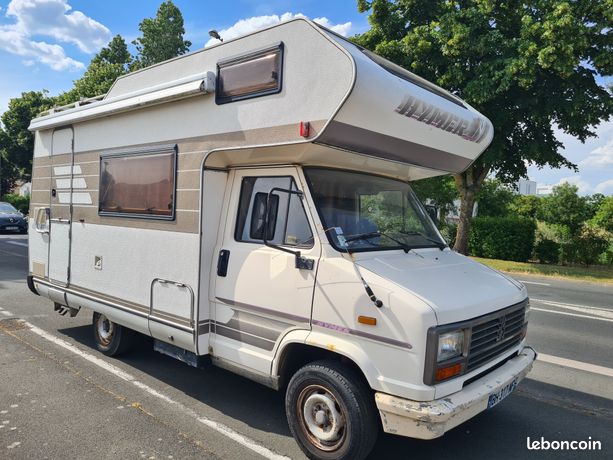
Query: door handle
point(222, 262)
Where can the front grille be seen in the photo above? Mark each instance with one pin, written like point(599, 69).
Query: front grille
point(494, 336)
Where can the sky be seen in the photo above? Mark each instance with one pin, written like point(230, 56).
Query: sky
point(47, 44)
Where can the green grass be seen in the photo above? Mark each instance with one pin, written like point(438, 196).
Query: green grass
point(599, 274)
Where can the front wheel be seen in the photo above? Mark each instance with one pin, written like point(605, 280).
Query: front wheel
point(331, 412)
point(111, 338)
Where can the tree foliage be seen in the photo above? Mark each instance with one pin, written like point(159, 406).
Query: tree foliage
point(528, 66)
point(162, 37)
point(525, 206)
point(565, 207)
point(110, 63)
point(494, 199)
point(603, 217)
point(16, 142)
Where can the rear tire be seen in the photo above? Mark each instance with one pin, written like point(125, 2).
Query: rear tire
point(111, 338)
point(331, 412)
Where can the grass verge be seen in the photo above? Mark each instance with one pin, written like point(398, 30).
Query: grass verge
point(599, 274)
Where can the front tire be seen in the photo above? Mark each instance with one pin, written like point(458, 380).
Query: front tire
point(111, 338)
point(331, 412)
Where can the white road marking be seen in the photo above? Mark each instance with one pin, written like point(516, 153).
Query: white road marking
point(571, 314)
point(580, 365)
point(6, 313)
point(534, 282)
point(17, 243)
point(595, 311)
point(219, 427)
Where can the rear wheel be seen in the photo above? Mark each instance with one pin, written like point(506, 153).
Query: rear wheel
point(111, 338)
point(331, 412)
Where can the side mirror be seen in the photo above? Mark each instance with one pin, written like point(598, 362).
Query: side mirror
point(264, 215)
point(432, 212)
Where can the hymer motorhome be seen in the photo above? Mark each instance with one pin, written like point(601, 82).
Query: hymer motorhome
point(248, 205)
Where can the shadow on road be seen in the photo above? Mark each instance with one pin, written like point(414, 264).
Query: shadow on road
point(235, 396)
point(498, 433)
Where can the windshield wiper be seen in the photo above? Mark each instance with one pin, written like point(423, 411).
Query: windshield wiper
point(438, 244)
point(367, 236)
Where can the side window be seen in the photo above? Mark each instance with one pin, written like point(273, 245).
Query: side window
point(138, 185)
point(252, 75)
point(287, 221)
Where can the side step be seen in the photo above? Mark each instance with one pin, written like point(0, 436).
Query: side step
point(181, 354)
point(63, 309)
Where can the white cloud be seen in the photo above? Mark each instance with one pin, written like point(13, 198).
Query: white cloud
point(248, 25)
point(53, 18)
point(50, 18)
point(605, 187)
point(341, 29)
point(583, 186)
point(49, 54)
point(600, 157)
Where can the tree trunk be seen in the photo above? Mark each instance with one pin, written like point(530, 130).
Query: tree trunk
point(468, 183)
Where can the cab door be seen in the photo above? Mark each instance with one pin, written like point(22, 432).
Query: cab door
point(266, 266)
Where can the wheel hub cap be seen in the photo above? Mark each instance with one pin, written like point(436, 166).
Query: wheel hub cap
point(105, 329)
point(322, 418)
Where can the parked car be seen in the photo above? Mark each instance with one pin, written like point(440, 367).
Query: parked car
point(11, 219)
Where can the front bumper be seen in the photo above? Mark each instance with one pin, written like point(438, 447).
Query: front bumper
point(431, 419)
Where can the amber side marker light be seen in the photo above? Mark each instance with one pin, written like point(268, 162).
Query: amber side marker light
point(368, 320)
point(446, 372)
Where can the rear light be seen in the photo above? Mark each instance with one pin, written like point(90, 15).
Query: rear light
point(305, 128)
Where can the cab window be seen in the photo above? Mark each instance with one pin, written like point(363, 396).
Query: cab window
point(278, 216)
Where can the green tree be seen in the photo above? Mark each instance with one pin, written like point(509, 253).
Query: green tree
point(162, 37)
point(604, 215)
point(116, 52)
point(565, 207)
point(110, 63)
point(494, 199)
point(16, 142)
point(525, 206)
point(594, 201)
point(528, 66)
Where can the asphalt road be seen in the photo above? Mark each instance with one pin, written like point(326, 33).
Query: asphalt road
point(61, 399)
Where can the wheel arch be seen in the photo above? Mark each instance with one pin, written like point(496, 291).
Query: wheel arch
point(297, 350)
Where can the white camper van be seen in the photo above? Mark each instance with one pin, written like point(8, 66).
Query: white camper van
point(248, 205)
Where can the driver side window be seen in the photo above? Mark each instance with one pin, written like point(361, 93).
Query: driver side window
point(287, 223)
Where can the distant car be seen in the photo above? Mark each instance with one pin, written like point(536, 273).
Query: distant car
point(11, 219)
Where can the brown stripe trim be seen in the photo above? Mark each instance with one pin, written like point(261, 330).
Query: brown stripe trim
point(371, 143)
point(244, 337)
point(114, 302)
point(366, 335)
point(204, 327)
point(266, 311)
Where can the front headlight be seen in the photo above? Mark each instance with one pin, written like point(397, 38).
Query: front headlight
point(450, 345)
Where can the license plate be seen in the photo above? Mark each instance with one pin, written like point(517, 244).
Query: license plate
point(505, 391)
point(11, 228)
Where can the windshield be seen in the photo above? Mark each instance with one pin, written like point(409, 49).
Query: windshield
point(6, 207)
point(362, 212)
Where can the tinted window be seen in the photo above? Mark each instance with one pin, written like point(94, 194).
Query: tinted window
point(138, 185)
point(256, 74)
point(288, 224)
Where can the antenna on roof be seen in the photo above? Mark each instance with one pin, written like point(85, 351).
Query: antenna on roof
point(213, 33)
